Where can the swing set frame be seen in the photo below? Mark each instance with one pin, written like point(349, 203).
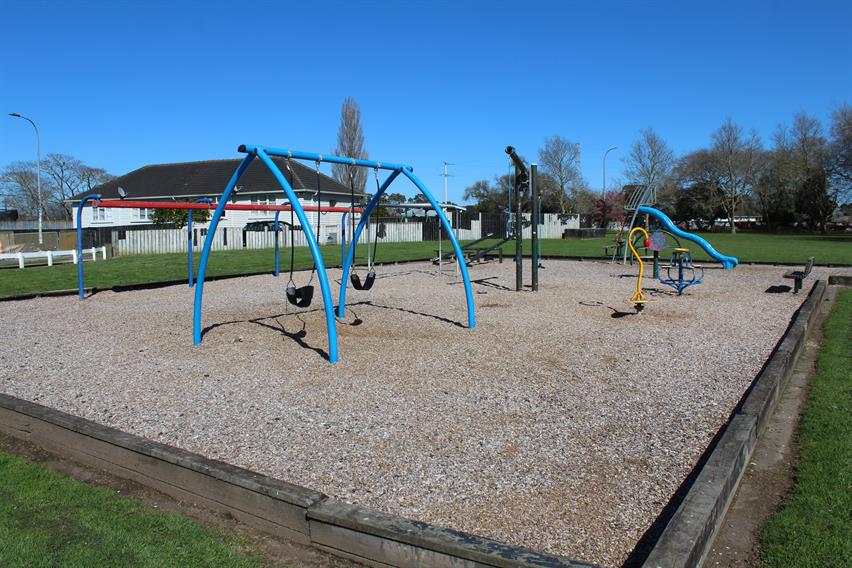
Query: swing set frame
point(265, 154)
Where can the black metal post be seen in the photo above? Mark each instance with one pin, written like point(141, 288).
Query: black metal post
point(521, 180)
point(535, 222)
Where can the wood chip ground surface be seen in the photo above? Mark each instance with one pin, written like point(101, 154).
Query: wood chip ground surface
point(562, 422)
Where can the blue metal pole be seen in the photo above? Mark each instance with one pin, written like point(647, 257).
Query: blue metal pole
point(353, 241)
point(277, 263)
point(299, 155)
point(471, 317)
point(315, 252)
point(80, 206)
point(189, 234)
point(208, 244)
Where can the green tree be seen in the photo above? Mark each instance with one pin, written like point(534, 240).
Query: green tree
point(178, 218)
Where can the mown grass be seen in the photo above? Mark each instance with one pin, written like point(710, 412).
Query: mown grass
point(814, 529)
point(47, 519)
point(144, 269)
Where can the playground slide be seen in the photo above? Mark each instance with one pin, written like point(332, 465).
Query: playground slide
point(727, 261)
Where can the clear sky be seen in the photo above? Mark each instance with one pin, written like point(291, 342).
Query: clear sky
point(124, 84)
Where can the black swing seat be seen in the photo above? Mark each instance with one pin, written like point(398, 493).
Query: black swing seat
point(368, 281)
point(300, 297)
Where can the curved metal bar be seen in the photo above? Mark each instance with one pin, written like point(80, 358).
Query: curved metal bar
point(80, 206)
point(315, 252)
point(341, 308)
point(471, 316)
point(208, 244)
point(313, 157)
point(189, 234)
point(353, 241)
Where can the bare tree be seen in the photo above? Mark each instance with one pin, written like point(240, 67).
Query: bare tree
point(737, 161)
point(841, 151)
point(18, 187)
point(350, 143)
point(90, 177)
point(650, 160)
point(63, 180)
point(560, 159)
point(63, 176)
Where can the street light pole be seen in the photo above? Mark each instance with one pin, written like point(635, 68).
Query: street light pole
point(38, 174)
point(603, 187)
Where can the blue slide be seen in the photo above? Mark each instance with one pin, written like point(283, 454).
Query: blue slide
point(727, 261)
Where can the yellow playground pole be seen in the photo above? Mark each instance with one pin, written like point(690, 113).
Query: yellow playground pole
point(638, 298)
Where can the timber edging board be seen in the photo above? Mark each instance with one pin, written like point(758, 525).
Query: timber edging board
point(689, 534)
point(840, 280)
point(277, 507)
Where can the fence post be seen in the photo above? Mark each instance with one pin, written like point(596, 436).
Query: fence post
point(49, 258)
point(21, 260)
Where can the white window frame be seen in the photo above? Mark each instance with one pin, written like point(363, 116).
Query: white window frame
point(101, 214)
point(143, 214)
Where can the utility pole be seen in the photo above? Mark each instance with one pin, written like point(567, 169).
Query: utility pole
point(445, 174)
point(603, 186)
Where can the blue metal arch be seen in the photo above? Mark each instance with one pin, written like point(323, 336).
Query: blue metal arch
point(190, 242)
point(80, 206)
point(260, 152)
point(405, 170)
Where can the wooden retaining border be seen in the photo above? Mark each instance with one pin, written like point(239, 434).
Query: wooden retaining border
point(282, 509)
point(689, 534)
point(383, 540)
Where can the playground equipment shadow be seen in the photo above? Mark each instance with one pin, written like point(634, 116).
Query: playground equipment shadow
point(550, 425)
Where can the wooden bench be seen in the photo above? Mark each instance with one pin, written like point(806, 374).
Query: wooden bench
point(798, 275)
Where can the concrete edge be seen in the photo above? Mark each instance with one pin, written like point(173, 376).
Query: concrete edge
point(274, 506)
point(689, 534)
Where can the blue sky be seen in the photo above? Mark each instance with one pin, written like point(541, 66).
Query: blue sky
point(124, 84)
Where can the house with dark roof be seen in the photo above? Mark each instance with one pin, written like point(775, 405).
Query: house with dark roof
point(189, 181)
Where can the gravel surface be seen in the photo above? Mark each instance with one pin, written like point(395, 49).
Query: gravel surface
point(560, 423)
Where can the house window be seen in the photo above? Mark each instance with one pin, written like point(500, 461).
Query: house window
point(144, 214)
point(263, 199)
point(101, 214)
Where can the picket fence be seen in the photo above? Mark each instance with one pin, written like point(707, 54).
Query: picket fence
point(155, 241)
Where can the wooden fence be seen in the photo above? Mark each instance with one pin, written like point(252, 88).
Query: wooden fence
point(153, 240)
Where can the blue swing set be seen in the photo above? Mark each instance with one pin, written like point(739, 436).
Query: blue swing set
point(265, 154)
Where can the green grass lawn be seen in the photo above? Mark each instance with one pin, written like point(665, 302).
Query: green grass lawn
point(815, 526)
point(144, 269)
point(47, 519)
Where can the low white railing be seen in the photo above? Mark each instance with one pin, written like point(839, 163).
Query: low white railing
point(51, 255)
